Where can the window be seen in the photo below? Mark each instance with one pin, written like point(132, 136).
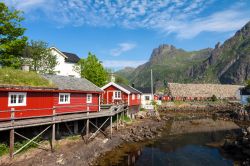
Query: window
point(89, 98)
point(117, 94)
point(133, 96)
point(64, 98)
point(147, 98)
point(138, 96)
point(17, 99)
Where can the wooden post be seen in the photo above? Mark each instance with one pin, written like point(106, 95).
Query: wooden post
point(53, 139)
point(12, 142)
point(117, 121)
point(12, 133)
point(111, 126)
point(87, 126)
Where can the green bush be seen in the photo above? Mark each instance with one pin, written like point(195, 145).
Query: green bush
point(3, 149)
point(214, 98)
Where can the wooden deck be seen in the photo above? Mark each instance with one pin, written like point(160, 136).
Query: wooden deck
point(59, 118)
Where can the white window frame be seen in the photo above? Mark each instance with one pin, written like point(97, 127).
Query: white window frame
point(133, 96)
point(138, 96)
point(115, 93)
point(17, 98)
point(64, 102)
point(89, 98)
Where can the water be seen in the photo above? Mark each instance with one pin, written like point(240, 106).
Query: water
point(200, 149)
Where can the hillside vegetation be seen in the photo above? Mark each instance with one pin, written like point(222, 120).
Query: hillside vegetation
point(9, 76)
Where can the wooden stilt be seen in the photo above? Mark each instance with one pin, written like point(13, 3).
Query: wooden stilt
point(117, 121)
point(53, 138)
point(111, 126)
point(12, 133)
point(12, 142)
point(87, 128)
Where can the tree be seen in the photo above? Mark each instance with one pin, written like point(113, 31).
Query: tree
point(121, 80)
point(12, 41)
point(92, 69)
point(39, 57)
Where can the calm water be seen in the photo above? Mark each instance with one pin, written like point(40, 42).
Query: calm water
point(188, 149)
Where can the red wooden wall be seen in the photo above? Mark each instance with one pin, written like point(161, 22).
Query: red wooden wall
point(108, 94)
point(41, 104)
point(134, 102)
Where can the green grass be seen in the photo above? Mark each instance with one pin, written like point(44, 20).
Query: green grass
point(10, 76)
point(4, 148)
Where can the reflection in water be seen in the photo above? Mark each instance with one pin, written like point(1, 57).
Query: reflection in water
point(186, 149)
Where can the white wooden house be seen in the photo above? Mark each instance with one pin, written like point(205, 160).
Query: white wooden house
point(66, 62)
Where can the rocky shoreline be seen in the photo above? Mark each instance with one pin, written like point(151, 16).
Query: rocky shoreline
point(145, 127)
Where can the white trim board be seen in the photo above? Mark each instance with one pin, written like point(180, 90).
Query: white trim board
point(117, 86)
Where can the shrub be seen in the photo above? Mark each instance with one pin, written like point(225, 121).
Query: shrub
point(214, 98)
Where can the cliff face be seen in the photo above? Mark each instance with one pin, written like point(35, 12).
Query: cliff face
point(227, 63)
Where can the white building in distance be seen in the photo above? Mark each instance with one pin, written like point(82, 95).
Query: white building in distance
point(66, 62)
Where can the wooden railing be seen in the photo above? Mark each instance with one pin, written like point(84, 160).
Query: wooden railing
point(15, 114)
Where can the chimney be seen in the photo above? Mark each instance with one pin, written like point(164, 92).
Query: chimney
point(133, 85)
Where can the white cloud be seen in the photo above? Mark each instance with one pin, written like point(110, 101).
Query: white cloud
point(183, 17)
point(122, 63)
point(122, 48)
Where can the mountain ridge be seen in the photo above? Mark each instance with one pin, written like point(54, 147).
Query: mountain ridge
point(227, 63)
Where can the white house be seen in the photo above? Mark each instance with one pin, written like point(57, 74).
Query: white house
point(66, 62)
point(244, 95)
point(146, 98)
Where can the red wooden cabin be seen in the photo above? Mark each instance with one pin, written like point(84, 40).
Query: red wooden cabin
point(70, 95)
point(116, 93)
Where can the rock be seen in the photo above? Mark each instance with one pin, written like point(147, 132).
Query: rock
point(60, 160)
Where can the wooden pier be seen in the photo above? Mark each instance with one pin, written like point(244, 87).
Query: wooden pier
point(107, 111)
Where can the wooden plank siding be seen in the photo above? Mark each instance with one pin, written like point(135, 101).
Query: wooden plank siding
point(40, 104)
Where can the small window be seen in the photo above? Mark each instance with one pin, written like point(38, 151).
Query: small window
point(117, 94)
point(133, 96)
point(138, 96)
point(64, 98)
point(89, 98)
point(17, 99)
point(147, 98)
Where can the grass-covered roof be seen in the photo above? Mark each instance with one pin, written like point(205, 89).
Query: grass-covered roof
point(9, 76)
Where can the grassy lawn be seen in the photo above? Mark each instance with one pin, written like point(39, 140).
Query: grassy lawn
point(10, 76)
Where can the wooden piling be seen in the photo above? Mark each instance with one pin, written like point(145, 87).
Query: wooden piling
point(12, 142)
point(12, 133)
point(53, 136)
point(117, 121)
point(111, 126)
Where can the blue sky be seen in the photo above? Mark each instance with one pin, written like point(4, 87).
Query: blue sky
point(124, 33)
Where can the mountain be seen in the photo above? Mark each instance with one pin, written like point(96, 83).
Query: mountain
point(227, 63)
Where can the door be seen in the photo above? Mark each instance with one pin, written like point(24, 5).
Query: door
point(110, 97)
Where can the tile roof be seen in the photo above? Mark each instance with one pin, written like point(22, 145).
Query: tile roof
point(72, 58)
point(72, 83)
point(145, 89)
